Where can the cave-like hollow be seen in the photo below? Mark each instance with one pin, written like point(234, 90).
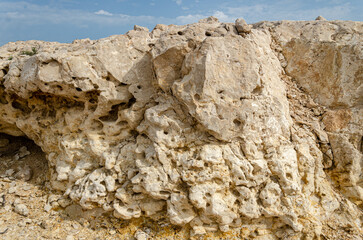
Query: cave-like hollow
point(22, 159)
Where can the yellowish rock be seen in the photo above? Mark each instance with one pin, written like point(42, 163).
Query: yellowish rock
point(197, 124)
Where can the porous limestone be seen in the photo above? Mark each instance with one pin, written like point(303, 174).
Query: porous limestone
point(199, 124)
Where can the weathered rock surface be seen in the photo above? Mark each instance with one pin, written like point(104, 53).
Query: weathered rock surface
point(200, 125)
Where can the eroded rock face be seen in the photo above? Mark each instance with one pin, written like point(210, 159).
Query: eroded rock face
point(199, 124)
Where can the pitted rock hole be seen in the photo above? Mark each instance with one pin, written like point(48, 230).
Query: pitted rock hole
point(22, 159)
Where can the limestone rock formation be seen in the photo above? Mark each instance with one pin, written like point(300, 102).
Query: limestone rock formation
point(199, 124)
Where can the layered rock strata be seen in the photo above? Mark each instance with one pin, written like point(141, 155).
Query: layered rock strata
point(208, 124)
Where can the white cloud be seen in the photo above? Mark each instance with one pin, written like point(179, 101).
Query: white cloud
point(189, 18)
point(13, 13)
point(222, 16)
point(35, 16)
point(103, 12)
point(179, 2)
point(280, 11)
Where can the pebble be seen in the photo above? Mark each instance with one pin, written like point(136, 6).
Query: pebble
point(9, 172)
point(25, 173)
point(75, 226)
point(16, 201)
point(70, 237)
point(140, 235)
point(47, 207)
point(27, 187)
point(12, 190)
point(23, 151)
point(21, 209)
point(52, 198)
point(55, 205)
point(147, 230)
point(64, 202)
point(224, 228)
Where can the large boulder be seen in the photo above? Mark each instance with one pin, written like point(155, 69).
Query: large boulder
point(200, 124)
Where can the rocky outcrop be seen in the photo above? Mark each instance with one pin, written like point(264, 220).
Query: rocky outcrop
point(213, 125)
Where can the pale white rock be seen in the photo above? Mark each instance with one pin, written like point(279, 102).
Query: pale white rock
point(23, 151)
point(12, 190)
point(69, 237)
point(64, 202)
point(9, 172)
point(21, 209)
point(320, 18)
point(203, 124)
point(242, 26)
point(140, 235)
point(140, 28)
point(47, 207)
point(179, 210)
point(24, 172)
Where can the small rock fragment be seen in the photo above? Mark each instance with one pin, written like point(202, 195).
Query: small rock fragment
point(23, 151)
point(47, 207)
point(69, 237)
point(242, 26)
point(21, 209)
point(198, 230)
point(53, 198)
point(140, 28)
point(224, 228)
point(25, 173)
point(320, 18)
point(140, 235)
point(9, 172)
point(210, 19)
point(16, 201)
point(64, 202)
point(75, 225)
point(27, 187)
point(12, 190)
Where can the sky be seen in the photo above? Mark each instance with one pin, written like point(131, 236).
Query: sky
point(66, 20)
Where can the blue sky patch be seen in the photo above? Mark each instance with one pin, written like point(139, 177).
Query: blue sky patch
point(66, 20)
